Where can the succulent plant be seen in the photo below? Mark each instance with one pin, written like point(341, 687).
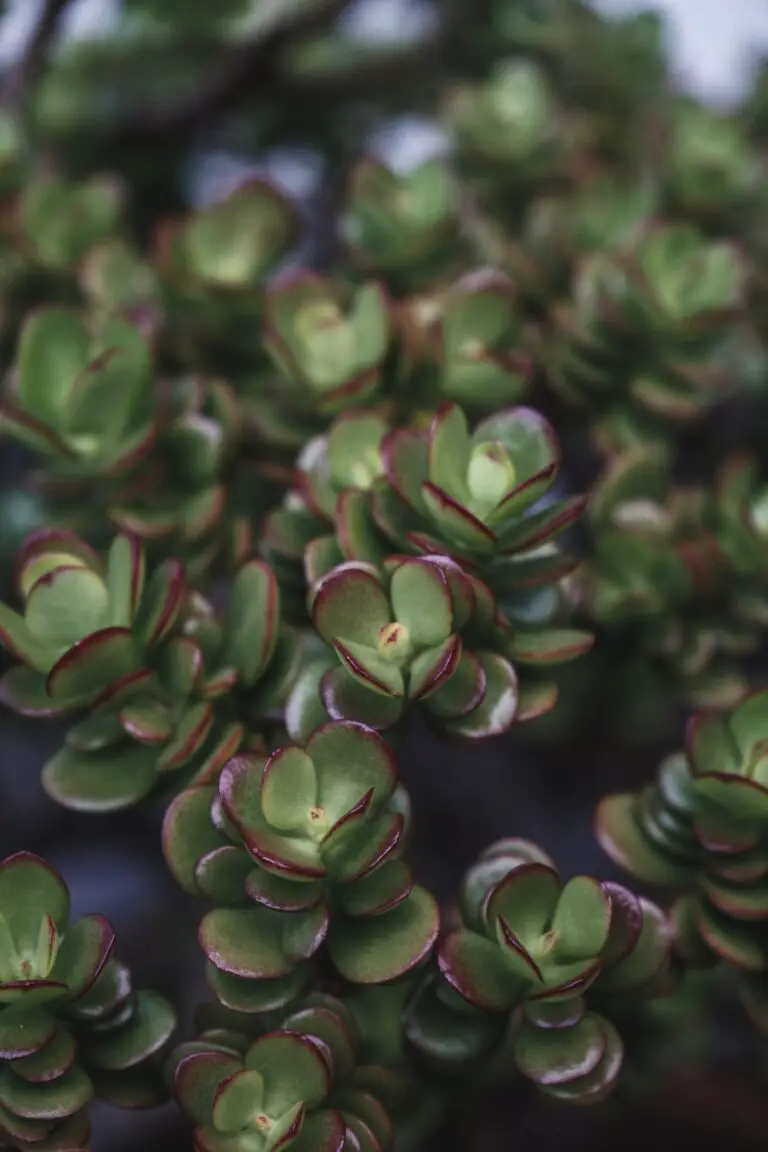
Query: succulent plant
point(397, 224)
point(711, 170)
point(508, 124)
point(330, 353)
point(658, 567)
point(466, 343)
point(312, 473)
point(299, 1086)
point(72, 1026)
point(58, 222)
point(400, 641)
point(81, 397)
point(164, 684)
point(299, 846)
point(644, 334)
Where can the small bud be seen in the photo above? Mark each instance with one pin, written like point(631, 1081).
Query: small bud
point(491, 474)
point(394, 643)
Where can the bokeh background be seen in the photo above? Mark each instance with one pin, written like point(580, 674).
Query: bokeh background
point(515, 787)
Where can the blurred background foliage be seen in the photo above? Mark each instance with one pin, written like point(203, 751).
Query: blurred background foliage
point(182, 100)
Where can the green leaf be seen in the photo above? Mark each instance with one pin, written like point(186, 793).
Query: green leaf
point(31, 892)
point(51, 1062)
point(647, 957)
point(85, 950)
point(66, 605)
point(192, 730)
point(445, 1037)
point(238, 1100)
point(345, 698)
point(582, 919)
point(295, 1069)
point(475, 968)
point(323, 1131)
point(369, 669)
point(94, 663)
point(559, 1055)
point(350, 760)
point(620, 836)
point(449, 452)
point(52, 350)
point(288, 789)
point(350, 604)
point(244, 995)
point(54, 1100)
point(498, 708)
point(526, 899)
point(380, 948)
point(17, 638)
point(196, 1081)
point(24, 1031)
point(144, 1035)
point(161, 603)
point(188, 834)
point(104, 781)
point(245, 942)
point(126, 571)
point(377, 891)
point(221, 874)
point(252, 621)
point(421, 600)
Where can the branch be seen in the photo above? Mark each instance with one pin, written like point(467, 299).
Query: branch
point(246, 70)
point(35, 56)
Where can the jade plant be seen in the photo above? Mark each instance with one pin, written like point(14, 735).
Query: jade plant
point(316, 494)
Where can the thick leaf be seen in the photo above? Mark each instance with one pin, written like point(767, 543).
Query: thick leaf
point(296, 1069)
point(350, 604)
point(31, 892)
point(245, 942)
point(238, 1100)
point(449, 451)
point(371, 670)
point(582, 919)
point(550, 646)
point(191, 733)
point(442, 1035)
point(498, 709)
point(376, 949)
point(289, 788)
point(23, 690)
point(126, 570)
point(66, 604)
point(376, 892)
point(24, 1031)
point(559, 1056)
point(104, 781)
point(255, 996)
point(53, 1100)
point(92, 664)
point(347, 699)
point(52, 1061)
point(221, 875)
point(52, 350)
point(476, 969)
point(163, 599)
point(85, 950)
point(196, 1079)
point(350, 760)
point(421, 600)
point(621, 838)
point(526, 899)
point(188, 835)
point(147, 1032)
point(253, 620)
